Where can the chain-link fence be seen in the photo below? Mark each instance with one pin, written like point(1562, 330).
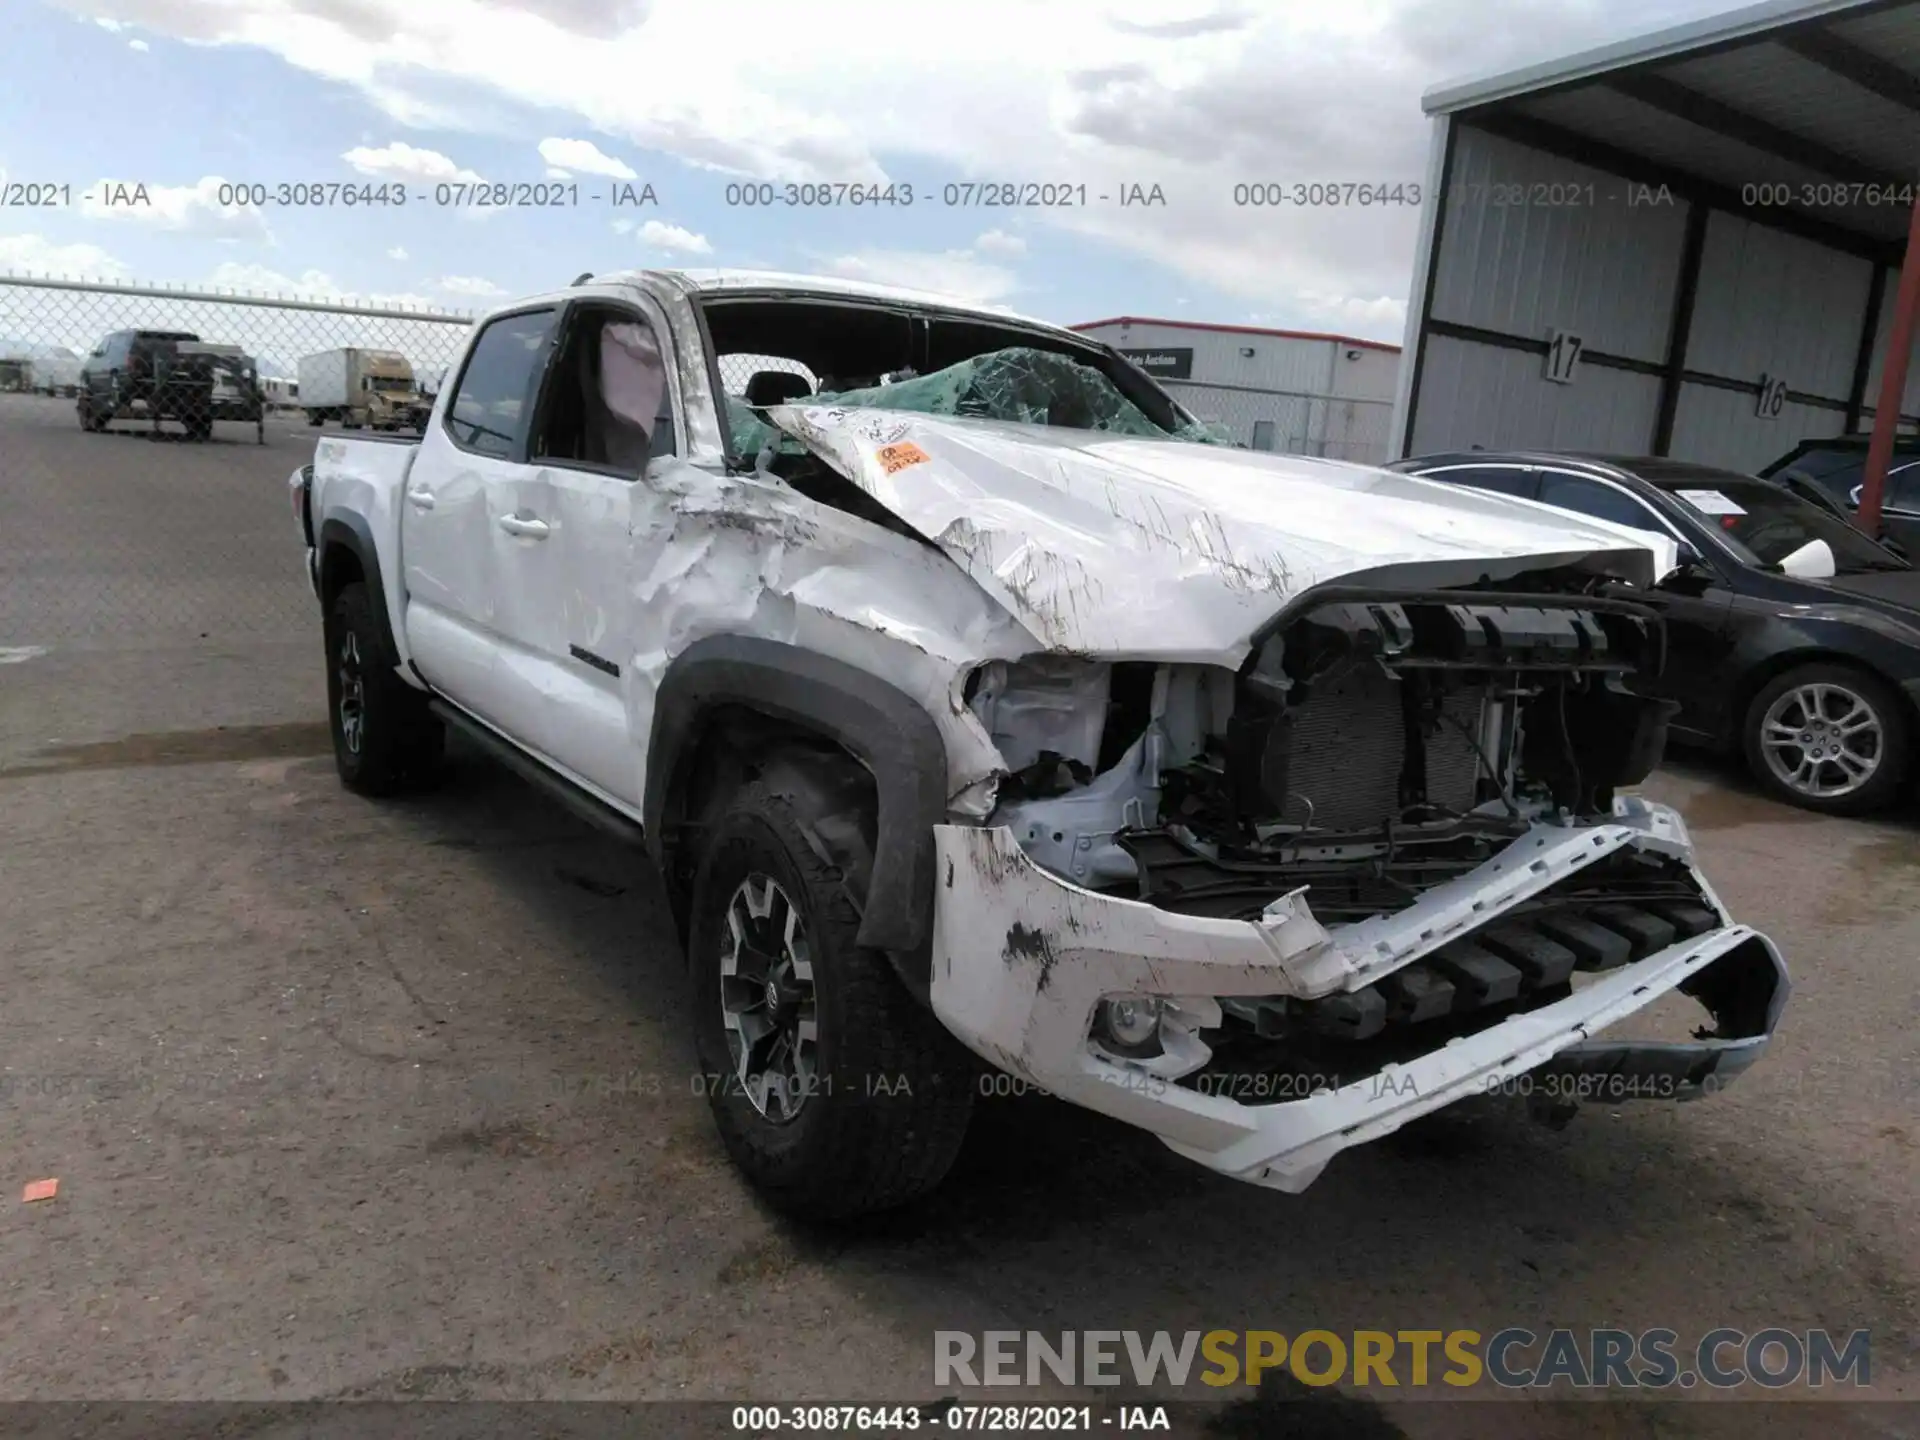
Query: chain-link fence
point(1292, 422)
point(146, 434)
point(193, 359)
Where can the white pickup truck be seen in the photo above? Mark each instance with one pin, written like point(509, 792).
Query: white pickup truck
point(975, 705)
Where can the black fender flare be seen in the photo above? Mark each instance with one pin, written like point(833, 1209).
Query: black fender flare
point(888, 733)
point(350, 530)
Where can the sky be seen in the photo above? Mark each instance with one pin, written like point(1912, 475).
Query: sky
point(692, 108)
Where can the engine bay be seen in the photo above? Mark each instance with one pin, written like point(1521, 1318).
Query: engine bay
point(1375, 743)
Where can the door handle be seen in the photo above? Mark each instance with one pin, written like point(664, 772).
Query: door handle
point(420, 499)
point(521, 525)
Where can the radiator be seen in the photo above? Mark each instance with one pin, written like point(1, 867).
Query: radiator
point(1349, 742)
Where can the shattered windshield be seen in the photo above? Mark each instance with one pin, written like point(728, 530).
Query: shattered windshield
point(1020, 384)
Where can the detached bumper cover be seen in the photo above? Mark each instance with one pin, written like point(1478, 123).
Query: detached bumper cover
point(1021, 959)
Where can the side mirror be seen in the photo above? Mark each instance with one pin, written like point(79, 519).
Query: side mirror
point(1812, 561)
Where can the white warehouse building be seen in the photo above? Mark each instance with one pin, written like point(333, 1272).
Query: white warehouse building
point(1686, 244)
point(1296, 391)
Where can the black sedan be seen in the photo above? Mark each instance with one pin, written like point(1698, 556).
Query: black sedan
point(1793, 639)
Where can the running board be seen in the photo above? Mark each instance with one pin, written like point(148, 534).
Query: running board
point(588, 807)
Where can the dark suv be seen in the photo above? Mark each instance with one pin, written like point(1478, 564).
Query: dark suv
point(1837, 468)
point(157, 375)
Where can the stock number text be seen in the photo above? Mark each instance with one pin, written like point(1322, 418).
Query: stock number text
point(310, 194)
point(1323, 194)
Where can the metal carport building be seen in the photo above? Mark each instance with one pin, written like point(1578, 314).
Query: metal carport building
point(1687, 243)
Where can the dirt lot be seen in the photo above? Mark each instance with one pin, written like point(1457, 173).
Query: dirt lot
point(350, 1100)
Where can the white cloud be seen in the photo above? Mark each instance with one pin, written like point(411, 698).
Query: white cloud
point(1378, 314)
point(139, 45)
point(586, 157)
point(959, 273)
point(999, 242)
point(263, 280)
point(401, 161)
point(398, 252)
point(663, 236)
point(34, 254)
point(192, 209)
point(309, 284)
point(1093, 92)
point(108, 24)
point(468, 285)
point(621, 227)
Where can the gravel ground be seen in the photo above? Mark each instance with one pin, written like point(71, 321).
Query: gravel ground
point(394, 1101)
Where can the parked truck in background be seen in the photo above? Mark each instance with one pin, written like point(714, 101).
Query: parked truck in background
point(168, 375)
point(374, 389)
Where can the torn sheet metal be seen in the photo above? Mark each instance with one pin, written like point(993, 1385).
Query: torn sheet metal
point(1159, 549)
point(746, 555)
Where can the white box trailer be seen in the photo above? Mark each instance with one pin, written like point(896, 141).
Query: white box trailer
point(360, 387)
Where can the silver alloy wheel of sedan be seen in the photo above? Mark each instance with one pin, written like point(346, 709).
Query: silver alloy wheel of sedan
point(353, 692)
point(767, 998)
point(1822, 740)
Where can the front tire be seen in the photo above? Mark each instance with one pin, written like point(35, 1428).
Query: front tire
point(1828, 738)
point(834, 1091)
point(384, 737)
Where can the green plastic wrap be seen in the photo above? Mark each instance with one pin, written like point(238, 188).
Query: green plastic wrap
point(1021, 385)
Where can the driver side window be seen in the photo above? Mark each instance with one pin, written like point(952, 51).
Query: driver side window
point(608, 404)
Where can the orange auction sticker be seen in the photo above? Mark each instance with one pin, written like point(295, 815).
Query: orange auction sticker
point(898, 457)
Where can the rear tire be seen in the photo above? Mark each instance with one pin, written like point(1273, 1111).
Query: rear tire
point(1810, 731)
point(875, 1116)
point(384, 737)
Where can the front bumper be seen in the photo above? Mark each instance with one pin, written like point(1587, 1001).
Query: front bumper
point(1021, 959)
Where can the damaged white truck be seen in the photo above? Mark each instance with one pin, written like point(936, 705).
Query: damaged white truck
point(976, 705)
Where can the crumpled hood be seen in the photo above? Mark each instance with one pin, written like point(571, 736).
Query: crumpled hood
point(1167, 550)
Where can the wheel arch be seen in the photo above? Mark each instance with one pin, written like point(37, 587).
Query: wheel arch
point(835, 705)
point(346, 552)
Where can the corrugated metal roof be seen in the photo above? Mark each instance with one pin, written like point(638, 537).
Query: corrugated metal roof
point(1715, 31)
point(1820, 96)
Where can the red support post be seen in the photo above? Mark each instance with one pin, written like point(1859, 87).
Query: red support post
point(1893, 382)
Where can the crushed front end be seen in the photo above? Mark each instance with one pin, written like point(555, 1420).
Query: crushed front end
point(1386, 865)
